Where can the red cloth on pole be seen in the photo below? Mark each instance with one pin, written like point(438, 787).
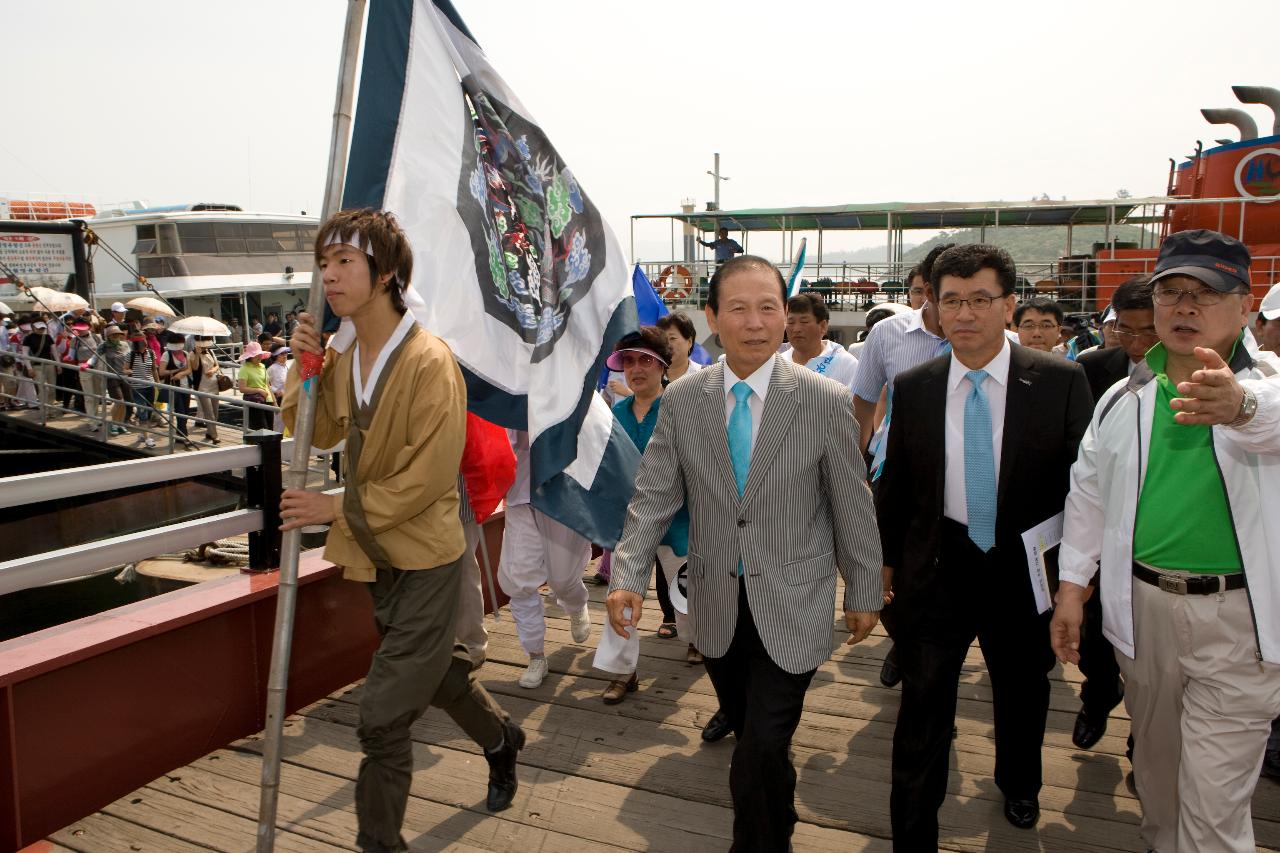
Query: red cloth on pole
point(488, 466)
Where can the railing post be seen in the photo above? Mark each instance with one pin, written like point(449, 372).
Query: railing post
point(263, 483)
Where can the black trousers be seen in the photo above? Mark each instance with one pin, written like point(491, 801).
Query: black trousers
point(763, 702)
point(1102, 689)
point(1015, 645)
point(664, 594)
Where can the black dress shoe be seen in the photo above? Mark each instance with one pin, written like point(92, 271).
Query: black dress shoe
point(890, 675)
point(717, 727)
point(1022, 813)
point(1089, 730)
point(502, 768)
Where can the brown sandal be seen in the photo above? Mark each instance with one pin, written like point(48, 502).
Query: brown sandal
point(693, 657)
point(618, 689)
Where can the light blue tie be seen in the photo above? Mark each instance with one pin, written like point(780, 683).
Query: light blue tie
point(739, 434)
point(979, 465)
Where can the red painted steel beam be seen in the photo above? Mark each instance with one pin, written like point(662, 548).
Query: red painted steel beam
point(96, 708)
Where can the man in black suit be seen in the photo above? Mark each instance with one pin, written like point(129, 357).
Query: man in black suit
point(979, 452)
point(1135, 330)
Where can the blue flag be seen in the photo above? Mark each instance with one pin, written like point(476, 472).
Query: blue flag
point(514, 267)
point(648, 306)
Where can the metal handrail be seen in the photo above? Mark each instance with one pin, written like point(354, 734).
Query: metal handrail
point(166, 415)
point(79, 560)
point(91, 479)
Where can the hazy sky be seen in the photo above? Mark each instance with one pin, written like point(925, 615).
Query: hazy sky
point(808, 102)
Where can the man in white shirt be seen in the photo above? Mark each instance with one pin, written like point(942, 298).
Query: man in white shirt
point(979, 451)
point(807, 322)
point(730, 441)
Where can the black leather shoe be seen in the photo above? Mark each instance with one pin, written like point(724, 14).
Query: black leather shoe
point(502, 768)
point(890, 675)
point(717, 727)
point(1022, 813)
point(1088, 730)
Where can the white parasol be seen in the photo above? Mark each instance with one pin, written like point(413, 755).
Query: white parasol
point(151, 306)
point(205, 327)
point(48, 299)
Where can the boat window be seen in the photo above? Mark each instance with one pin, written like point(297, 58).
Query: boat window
point(263, 247)
point(286, 237)
point(257, 230)
point(231, 247)
point(194, 229)
point(199, 246)
point(308, 237)
point(146, 243)
point(227, 229)
point(167, 243)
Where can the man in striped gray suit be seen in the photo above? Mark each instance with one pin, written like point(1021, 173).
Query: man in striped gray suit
point(765, 452)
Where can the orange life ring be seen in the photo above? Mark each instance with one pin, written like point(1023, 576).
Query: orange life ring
point(675, 292)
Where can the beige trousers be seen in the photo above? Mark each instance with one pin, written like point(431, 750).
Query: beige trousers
point(470, 628)
point(1202, 704)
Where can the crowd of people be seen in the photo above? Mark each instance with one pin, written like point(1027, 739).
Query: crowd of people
point(914, 468)
point(130, 364)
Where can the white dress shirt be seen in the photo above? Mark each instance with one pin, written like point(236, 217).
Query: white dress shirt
point(363, 394)
point(759, 382)
point(955, 504)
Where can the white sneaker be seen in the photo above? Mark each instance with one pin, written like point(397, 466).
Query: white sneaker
point(580, 625)
point(149, 442)
point(534, 673)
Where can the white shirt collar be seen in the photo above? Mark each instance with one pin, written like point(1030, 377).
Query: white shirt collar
point(401, 329)
point(997, 369)
point(915, 320)
point(759, 381)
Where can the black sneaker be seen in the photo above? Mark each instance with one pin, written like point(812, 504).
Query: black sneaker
point(502, 768)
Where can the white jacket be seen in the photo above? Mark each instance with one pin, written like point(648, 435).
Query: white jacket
point(1107, 478)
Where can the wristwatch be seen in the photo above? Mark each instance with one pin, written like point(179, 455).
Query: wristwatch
point(1248, 408)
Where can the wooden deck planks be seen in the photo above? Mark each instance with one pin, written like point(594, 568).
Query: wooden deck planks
point(636, 776)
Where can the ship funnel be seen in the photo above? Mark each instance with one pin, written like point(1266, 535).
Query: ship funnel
point(1261, 95)
point(1242, 120)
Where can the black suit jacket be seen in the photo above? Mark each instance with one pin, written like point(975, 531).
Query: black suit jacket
point(1104, 368)
point(1047, 409)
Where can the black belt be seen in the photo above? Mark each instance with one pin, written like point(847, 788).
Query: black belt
point(1201, 585)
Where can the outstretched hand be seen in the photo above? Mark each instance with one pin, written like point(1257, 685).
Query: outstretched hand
point(1213, 395)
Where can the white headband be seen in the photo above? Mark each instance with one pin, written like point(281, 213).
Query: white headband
point(355, 241)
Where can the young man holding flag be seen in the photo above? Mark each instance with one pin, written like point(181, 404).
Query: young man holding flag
point(397, 397)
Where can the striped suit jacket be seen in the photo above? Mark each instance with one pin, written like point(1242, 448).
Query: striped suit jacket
point(805, 511)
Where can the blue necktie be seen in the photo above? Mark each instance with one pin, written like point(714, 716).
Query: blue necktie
point(739, 434)
point(979, 465)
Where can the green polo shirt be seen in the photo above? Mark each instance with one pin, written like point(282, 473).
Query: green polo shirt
point(1183, 522)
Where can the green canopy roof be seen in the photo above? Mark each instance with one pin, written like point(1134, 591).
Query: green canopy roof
point(915, 215)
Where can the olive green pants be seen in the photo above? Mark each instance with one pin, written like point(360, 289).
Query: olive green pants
point(418, 665)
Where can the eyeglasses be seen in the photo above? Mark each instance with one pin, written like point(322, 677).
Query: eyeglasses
point(1204, 297)
point(980, 302)
point(1031, 326)
point(1135, 333)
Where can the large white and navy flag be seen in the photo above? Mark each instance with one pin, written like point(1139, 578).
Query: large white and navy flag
point(515, 267)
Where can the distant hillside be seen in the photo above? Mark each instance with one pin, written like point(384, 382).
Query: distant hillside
point(1038, 244)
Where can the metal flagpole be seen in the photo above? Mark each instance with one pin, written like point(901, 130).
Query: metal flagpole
point(296, 476)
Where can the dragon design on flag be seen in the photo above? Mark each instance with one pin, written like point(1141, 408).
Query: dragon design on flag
point(538, 240)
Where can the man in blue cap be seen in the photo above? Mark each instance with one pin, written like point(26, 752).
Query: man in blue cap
point(1174, 480)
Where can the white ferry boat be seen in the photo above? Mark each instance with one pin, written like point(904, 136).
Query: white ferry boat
point(213, 260)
